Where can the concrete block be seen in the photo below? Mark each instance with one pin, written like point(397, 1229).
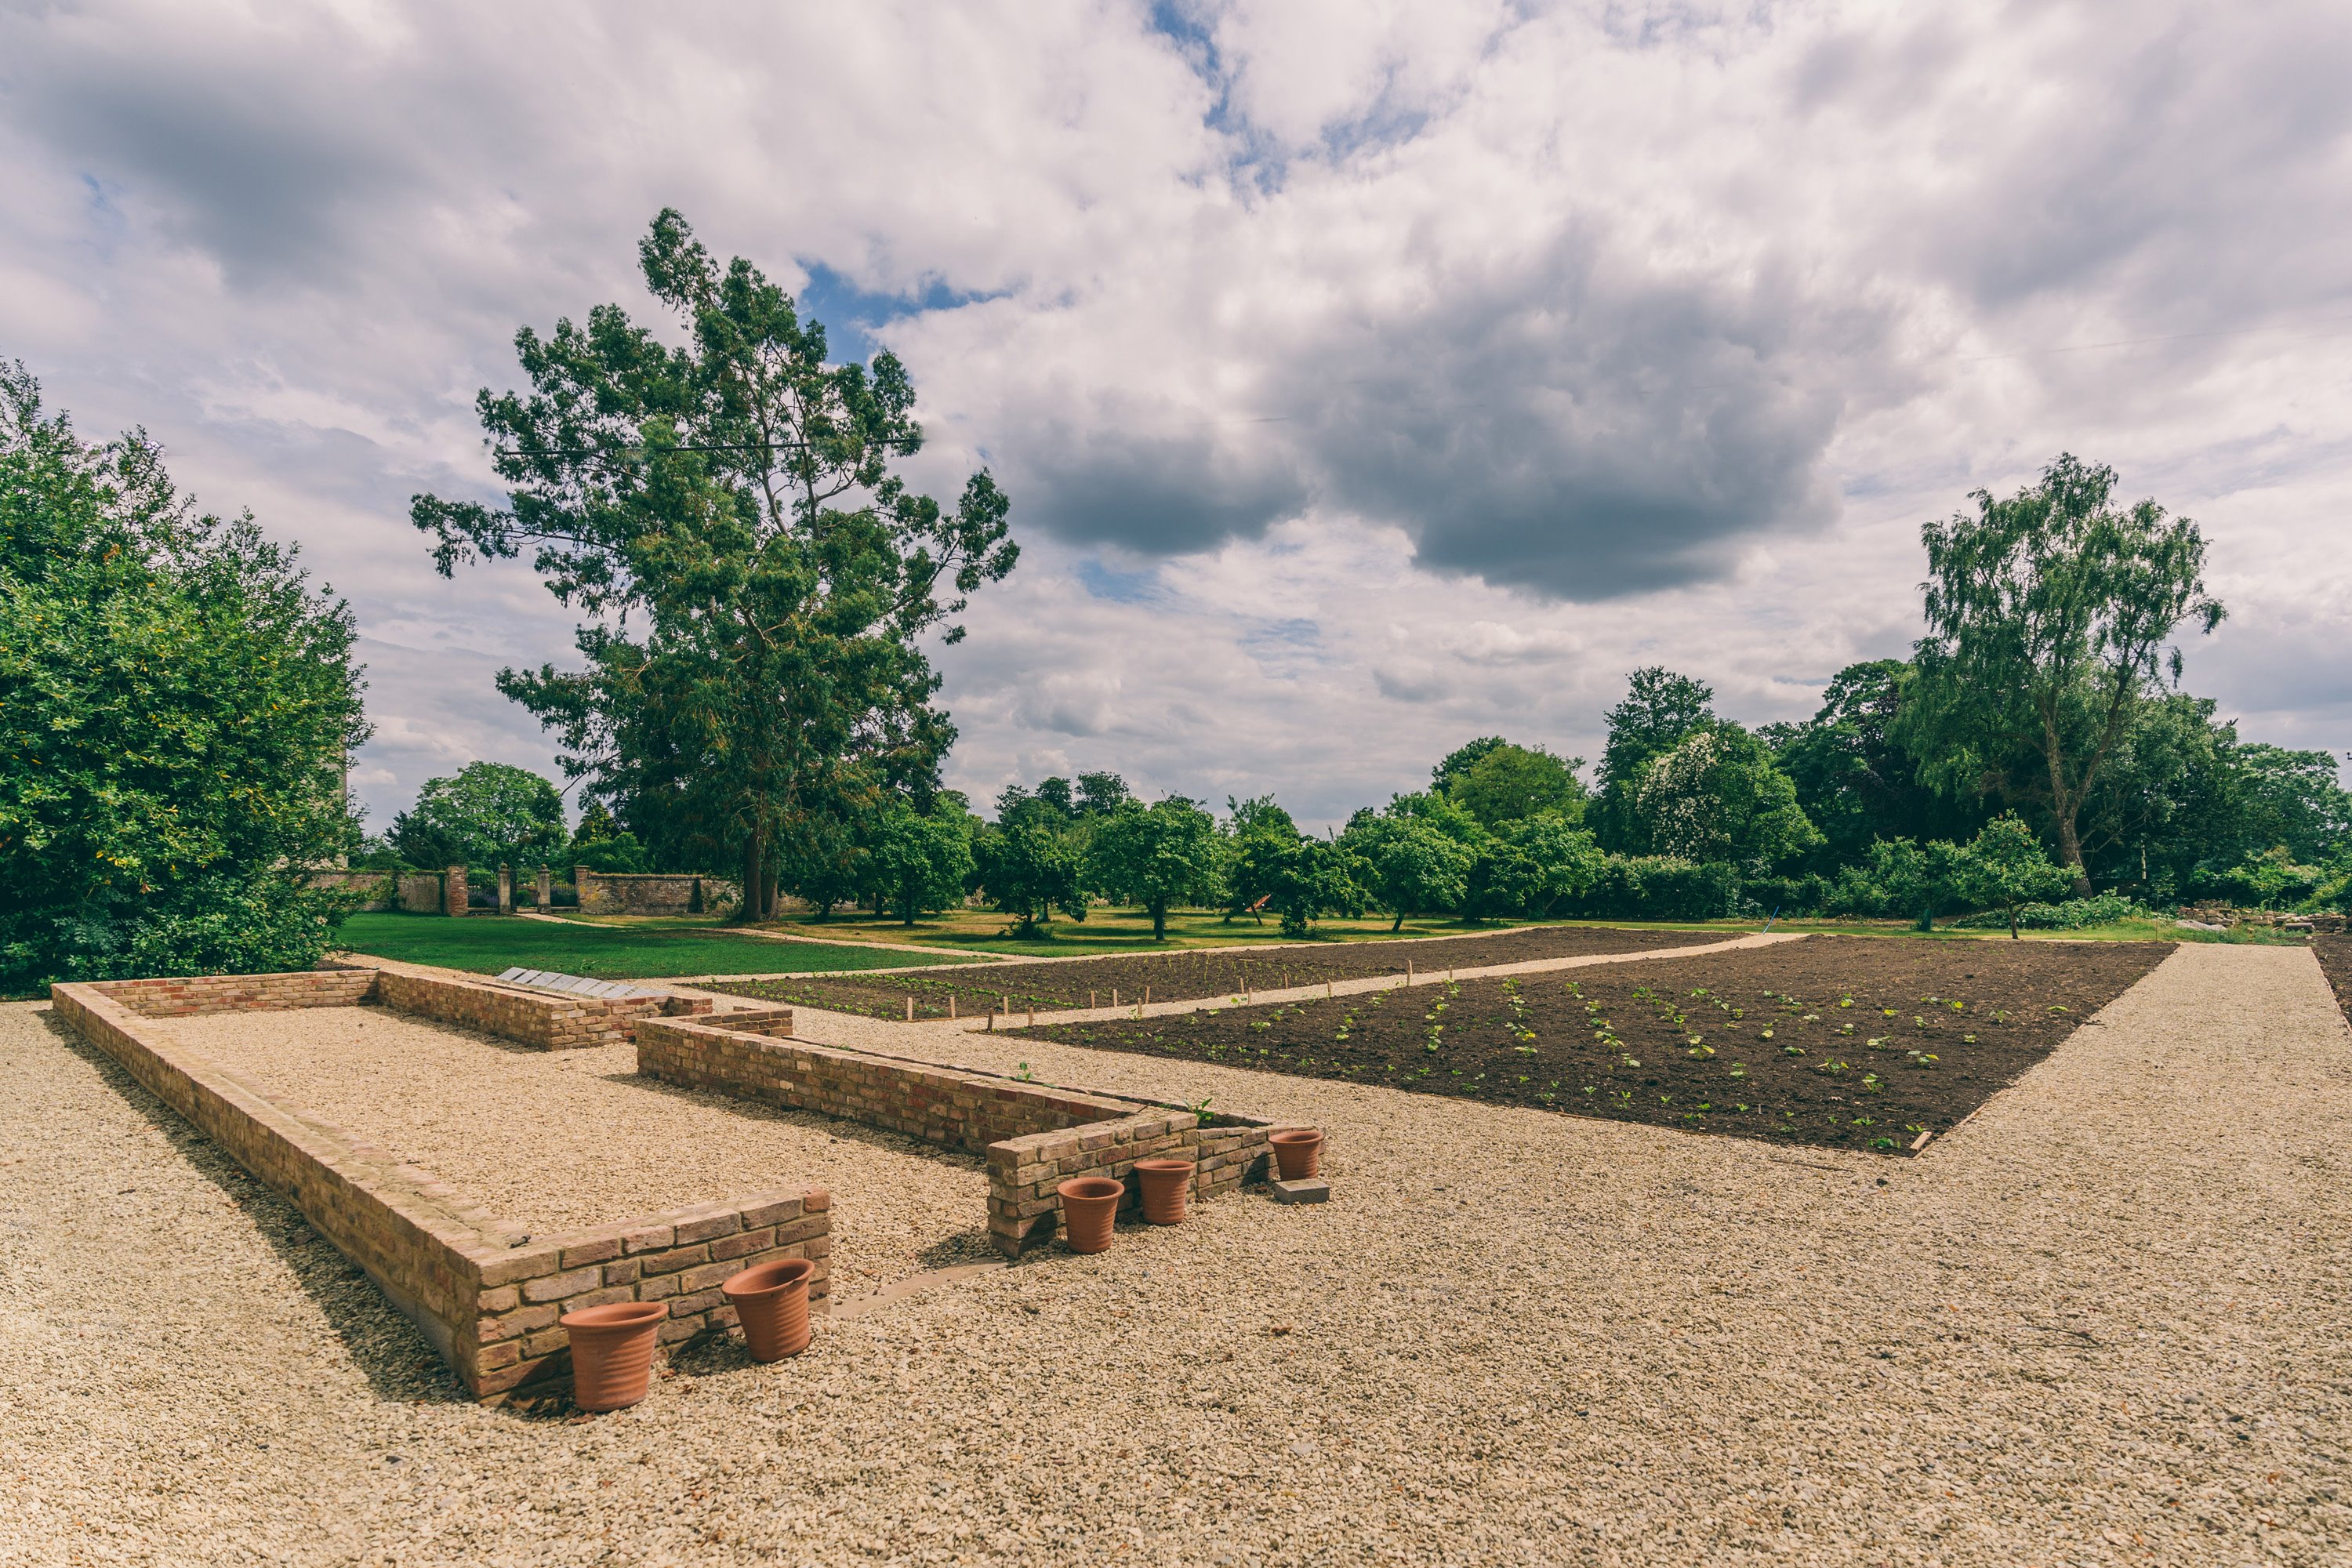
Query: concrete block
point(1308, 1190)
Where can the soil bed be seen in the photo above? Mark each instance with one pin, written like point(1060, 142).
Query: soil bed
point(1839, 1042)
point(1194, 974)
point(2335, 954)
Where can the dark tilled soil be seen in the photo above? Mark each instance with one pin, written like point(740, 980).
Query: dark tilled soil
point(1194, 974)
point(1835, 1041)
point(2335, 953)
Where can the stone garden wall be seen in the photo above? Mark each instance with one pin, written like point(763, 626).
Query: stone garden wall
point(373, 890)
point(649, 893)
point(1033, 1135)
point(486, 1297)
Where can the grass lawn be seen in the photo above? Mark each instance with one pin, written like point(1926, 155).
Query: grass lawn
point(487, 944)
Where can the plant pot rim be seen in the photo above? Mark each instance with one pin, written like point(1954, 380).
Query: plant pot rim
point(1170, 1166)
point(617, 1315)
point(1093, 1187)
point(1296, 1135)
point(767, 1278)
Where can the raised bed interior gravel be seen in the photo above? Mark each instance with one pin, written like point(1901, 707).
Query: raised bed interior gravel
point(1835, 1041)
point(1194, 974)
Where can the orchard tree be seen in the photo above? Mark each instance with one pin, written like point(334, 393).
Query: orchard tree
point(489, 814)
point(1534, 865)
point(1313, 877)
point(1410, 866)
point(2005, 869)
point(176, 703)
point(1509, 783)
point(916, 863)
point(1165, 855)
point(759, 577)
point(1028, 871)
point(1258, 834)
point(2048, 618)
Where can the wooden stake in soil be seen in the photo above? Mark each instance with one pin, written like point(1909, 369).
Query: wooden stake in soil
point(1147, 996)
point(950, 1003)
point(1920, 1141)
point(992, 1020)
point(1114, 995)
point(911, 1008)
point(1408, 972)
point(1090, 1002)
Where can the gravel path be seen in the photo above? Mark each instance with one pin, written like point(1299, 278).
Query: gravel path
point(560, 1141)
point(2101, 1324)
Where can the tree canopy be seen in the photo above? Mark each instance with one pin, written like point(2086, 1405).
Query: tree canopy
point(729, 511)
point(2048, 617)
point(1165, 855)
point(489, 814)
point(176, 703)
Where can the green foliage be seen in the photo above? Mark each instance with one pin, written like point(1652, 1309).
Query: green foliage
point(2047, 619)
point(1169, 854)
point(1511, 784)
point(1659, 710)
point(1855, 780)
point(1898, 877)
point(2293, 800)
point(1537, 867)
point(175, 703)
point(759, 577)
point(1259, 834)
point(1462, 758)
point(1716, 796)
point(2005, 869)
point(917, 863)
point(1410, 866)
point(1028, 870)
point(2272, 880)
point(2074, 914)
point(489, 814)
point(1658, 888)
point(1312, 878)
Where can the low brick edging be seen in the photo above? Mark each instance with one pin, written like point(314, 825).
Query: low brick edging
point(485, 1295)
point(551, 1020)
point(1034, 1136)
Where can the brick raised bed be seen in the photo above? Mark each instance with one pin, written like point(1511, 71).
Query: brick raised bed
point(1033, 1135)
point(486, 1296)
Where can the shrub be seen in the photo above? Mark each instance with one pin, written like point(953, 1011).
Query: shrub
point(1659, 886)
point(2073, 914)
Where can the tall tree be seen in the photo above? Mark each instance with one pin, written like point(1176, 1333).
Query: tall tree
point(1510, 783)
point(2048, 615)
point(1855, 778)
point(728, 510)
point(1660, 708)
point(176, 703)
point(490, 813)
point(1716, 796)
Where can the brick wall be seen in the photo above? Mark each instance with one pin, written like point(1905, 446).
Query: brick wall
point(375, 890)
point(485, 1296)
point(1034, 1135)
point(552, 1021)
point(202, 993)
point(418, 892)
point(648, 893)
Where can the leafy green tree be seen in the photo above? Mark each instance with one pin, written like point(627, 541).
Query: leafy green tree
point(2048, 615)
point(1258, 834)
point(1168, 854)
point(917, 864)
point(1028, 870)
point(1900, 877)
point(176, 706)
point(1460, 760)
point(1660, 708)
point(489, 814)
point(1410, 866)
point(1855, 781)
point(1509, 783)
point(1536, 866)
point(1313, 877)
point(759, 579)
point(2006, 868)
point(2294, 799)
point(1716, 796)
point(1100, 792)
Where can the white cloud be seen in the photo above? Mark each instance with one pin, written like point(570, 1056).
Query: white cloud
point(1366, 376)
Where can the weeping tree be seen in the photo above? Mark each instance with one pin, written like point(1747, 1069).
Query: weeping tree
point(758, 577)
point(2048, 618)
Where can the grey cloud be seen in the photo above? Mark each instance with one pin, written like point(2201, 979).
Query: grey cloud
point(1151, 494)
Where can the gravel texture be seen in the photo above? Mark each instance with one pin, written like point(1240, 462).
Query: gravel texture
point(2101, 1324)
point(560, 1141)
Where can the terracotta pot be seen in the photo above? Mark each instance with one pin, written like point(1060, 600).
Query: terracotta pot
point(1297, 1152)
point(1089, 1205)
point(613, 1351)
point(1165, 1184)
point(771, 1301)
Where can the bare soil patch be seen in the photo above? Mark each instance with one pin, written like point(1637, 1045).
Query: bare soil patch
point(2335, 954)
point(1194, 974)
point(1837, 1042)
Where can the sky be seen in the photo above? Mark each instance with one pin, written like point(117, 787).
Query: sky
point(1366, 377)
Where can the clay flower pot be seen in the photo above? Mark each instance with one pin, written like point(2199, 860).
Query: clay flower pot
point(1089, 1205)
point(1297, 1152)
point(771, 1301)
point(613, 1351)
point(1165, 1184)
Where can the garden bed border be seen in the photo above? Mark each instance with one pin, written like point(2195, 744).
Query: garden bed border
point(486, 1296)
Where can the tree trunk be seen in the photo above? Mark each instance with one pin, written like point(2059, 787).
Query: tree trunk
point(2013, 922)
point(1398, 924)
point(2069, 849)
point(1160, 922)
point(755, 871)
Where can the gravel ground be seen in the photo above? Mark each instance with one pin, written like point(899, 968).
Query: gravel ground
point(2102, 1322)
point(559, 1141)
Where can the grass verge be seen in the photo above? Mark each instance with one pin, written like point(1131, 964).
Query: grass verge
point(486, 944)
